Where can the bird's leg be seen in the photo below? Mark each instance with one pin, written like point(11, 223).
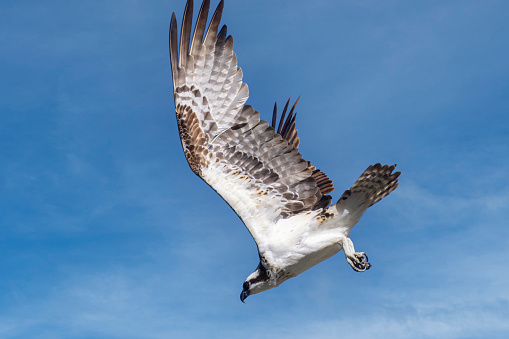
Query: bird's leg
point(358, 260)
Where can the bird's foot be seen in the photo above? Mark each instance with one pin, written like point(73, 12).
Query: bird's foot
point(359, 261)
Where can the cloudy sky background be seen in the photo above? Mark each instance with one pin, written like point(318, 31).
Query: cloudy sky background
point(106, 233)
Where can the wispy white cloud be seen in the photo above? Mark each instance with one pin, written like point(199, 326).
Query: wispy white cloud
point(469, 319)
point(106, 236)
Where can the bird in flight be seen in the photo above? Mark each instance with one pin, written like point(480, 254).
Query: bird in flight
point(257, 168)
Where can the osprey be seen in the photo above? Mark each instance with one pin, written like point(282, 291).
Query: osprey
point(256, 168)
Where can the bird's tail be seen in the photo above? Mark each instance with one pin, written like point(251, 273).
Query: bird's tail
point(375, 183)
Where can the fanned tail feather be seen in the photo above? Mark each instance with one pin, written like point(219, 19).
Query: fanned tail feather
point(373, 185)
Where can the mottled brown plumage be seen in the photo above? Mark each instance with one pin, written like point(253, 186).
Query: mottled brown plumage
point(194, 141)
point(287, 129)
point(257, 168)
point(375, 183)
point(215, 122)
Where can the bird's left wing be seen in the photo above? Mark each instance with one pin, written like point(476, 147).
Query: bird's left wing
point(258, 171)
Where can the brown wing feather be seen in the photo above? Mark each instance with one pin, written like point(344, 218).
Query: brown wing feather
point(288, 131)
point(220, 133)
point(194, 141)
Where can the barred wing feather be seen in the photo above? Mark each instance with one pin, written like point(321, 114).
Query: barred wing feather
point(257, 169)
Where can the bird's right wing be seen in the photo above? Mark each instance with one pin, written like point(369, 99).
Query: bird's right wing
point(258, 171)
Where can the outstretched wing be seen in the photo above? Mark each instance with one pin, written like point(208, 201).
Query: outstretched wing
point(288, 131)
point(258, 171)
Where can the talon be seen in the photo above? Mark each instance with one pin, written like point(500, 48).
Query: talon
point(359, 262)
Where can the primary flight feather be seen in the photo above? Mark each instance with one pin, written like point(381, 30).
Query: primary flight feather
point(257, 168)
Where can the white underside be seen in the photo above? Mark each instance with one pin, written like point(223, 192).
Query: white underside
point(294, 244)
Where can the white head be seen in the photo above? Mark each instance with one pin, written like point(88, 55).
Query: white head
point(258, 281)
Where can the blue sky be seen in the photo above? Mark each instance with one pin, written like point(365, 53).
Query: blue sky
point(106, 233)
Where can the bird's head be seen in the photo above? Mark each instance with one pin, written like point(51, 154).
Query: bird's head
point(258, 281)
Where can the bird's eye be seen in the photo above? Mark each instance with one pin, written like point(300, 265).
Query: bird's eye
point(245, 286)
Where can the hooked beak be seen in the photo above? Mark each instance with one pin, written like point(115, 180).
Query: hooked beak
point(244, 295)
